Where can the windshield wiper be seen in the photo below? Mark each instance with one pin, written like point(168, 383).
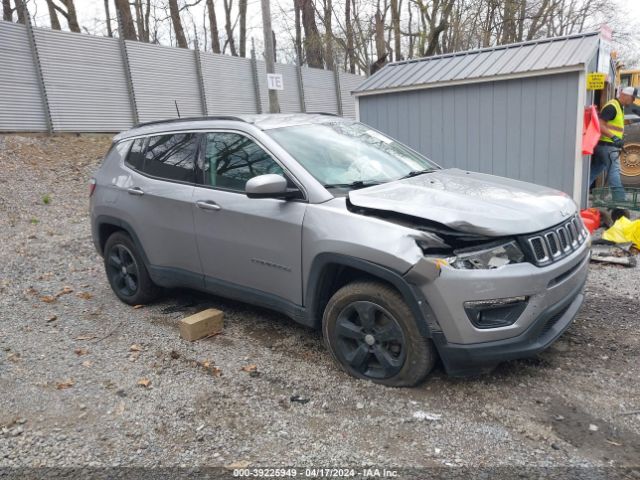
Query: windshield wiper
point(353, 185)
point(415, 173)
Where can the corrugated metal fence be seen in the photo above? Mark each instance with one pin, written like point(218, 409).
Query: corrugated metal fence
point(70, 82)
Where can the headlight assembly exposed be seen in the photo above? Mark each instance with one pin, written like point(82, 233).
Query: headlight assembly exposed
point(483, 259)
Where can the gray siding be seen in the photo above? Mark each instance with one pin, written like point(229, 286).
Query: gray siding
point(21, 107)
point(523, 129)
point(161, 77)
point(319, 90)
point(85, 81)
point(348, 83)
point(228, 84)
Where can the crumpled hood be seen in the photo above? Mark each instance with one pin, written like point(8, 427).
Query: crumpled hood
point(470, 202)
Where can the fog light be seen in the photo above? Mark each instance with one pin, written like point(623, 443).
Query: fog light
point(500, 312)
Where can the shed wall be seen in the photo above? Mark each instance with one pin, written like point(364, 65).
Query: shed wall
point(522, 128)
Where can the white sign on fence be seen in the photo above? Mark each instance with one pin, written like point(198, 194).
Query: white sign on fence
point(274, 81)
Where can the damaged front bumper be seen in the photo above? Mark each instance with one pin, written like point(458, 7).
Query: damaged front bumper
point(553, 297)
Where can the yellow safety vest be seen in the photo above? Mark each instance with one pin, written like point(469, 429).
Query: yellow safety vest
point(617, 124)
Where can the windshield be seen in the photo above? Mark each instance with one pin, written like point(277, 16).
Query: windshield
point(349, 154)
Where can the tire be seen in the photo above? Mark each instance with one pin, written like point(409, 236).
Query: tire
point(126, 272)
point(361, 311)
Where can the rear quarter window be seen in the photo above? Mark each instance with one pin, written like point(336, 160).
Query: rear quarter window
point(135, 158)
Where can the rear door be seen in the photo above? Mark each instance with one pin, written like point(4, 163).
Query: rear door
point(159, 200)
point(254, 243)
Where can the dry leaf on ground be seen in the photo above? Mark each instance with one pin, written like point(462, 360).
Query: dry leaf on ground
point(84, 295)
point(144, 382)
point(65, 291)
point(87, 363)
point(135, 348)
point(250, 368)
point(64, 384)
point(138, 306)
point(52, 318)
point(86, 337)
point(48, 299)
point(81, 351)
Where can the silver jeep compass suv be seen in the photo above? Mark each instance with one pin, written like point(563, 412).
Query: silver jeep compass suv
point(342, 228)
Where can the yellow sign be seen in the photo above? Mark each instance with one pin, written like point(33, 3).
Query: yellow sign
point(595, 81)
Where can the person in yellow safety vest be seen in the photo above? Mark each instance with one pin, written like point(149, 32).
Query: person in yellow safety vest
point(606, 155)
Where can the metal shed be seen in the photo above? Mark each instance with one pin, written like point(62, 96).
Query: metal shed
point(514, 110)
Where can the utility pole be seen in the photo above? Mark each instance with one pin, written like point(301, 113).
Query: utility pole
point(274, 107)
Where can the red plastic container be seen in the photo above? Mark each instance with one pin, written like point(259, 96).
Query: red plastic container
point(591, 218)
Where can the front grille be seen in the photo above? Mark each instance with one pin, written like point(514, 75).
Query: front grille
point(555, 243)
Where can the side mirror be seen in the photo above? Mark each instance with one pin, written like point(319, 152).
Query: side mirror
point(270, 186)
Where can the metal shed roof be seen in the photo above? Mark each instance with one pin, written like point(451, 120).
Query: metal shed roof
point(544, 56)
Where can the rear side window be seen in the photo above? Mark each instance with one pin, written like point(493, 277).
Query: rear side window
point(171, 156)
point(232, 159)
point(136, 157)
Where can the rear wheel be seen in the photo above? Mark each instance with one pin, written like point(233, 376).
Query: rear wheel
point(372, 334)
point(126, 272)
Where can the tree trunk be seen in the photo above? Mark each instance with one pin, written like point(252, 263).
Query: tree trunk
point(143, 33)
point(349, 27)
point(312, 40)
point(72, 17)
point(229, 27)
point(177, 24)
point(20, 10)
point(213, 24)
point(269, 49)
point(108, 15)
point(395, 23)
point(53, 16)
point(7, 11)
point(128, 27)
point(328, 56)
point(297, 6)
point(381, 49)
point(242, 6)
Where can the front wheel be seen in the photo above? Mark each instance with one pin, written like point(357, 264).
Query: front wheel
point(372, 334)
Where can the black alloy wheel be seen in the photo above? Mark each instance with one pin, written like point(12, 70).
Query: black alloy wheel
point(122, 269)
point(370, 340)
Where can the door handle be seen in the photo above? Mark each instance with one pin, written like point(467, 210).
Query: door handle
point(208, 205)
point(135, 191)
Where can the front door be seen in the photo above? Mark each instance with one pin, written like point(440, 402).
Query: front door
point(254, 243)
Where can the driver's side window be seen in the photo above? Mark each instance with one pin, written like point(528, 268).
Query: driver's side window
point(230, 159)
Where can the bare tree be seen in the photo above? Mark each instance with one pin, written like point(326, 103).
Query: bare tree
point(53, 16)
point(174, 11)
point(229, 27)
point(7, 11)
point(128, 27)
point(312, 40)
point(349, 34)
point(328, 40)
point(213, 25)
point(297, 8)
point(242, 7)
point(108, 15)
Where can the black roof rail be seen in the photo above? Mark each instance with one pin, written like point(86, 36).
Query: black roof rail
point(190, 119)
point(323, 113)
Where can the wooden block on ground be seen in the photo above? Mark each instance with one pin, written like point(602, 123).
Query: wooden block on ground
point(202, 324)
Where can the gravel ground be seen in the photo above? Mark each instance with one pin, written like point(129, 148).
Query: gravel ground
point(74, 362)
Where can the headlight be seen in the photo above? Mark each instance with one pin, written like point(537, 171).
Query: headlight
point(487, 258)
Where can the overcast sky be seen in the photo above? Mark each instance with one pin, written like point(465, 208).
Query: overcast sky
point(92, 16)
